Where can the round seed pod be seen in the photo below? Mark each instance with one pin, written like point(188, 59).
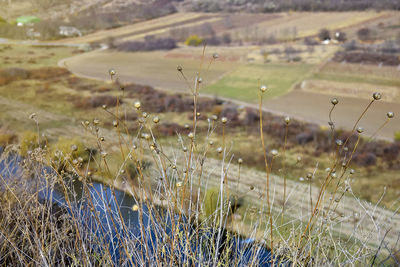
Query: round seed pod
point(135, 207)
point(199, 80)
point(263, 88)
point(112, 72)
point(102, 139)
point(309, 175)
point(334, 101)
point(156, 119)
point(219, 149)
point(137, 104)
point(179, 184)
point(224, 120)
point(274, 152)
point(390, 115)
point(74, 147)
point(360, 130)
point(287, 119)
point(96, 122)
point(251, 187)
point(211, 142)
point(214, 117)
point(104, 106)
point(215, 56)
point(352, 171)
point(377, 96)
point(115, 123)
point(103, 154)
point(144, 115)
point(186, 126)
point(240, 160)
point(339, 142)
point(191, 135)
point(179, 68)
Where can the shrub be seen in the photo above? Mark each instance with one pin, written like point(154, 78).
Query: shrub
point(193, 40)
point(151, 44)
point(96, 101)
point(7, 137)
point(397, 136)
point(68, 152)
point(324, 34)
point(29, 142)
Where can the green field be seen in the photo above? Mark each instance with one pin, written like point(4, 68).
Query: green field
point(244, 82)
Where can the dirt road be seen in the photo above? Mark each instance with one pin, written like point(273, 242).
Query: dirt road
point(306, 106)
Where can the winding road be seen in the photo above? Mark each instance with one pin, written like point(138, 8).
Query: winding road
point(305, 106)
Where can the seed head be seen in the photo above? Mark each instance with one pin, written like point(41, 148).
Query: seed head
point(185, 149)
point(298, 159)
point(137, 105)
point(240, 160)
point(179, 68)
point(390, 115)
point(102, 139)
point(186, 126)
point(274, 152)
point(345, 149)
point(104, 106)
point(333, 175)
point(328, 169)
point(263, 88)
point(377, 96)
point(219, 149)
point(287, 119)
point(74, 147)
point(32, 116)
point(112, 72)
point(214, 117)
point(301, 179)
point(179, 184)
point(146, 136)
point(251, 187)
point(103, 154)
point(334, 101)
point(191, 135)
point(352, 171)
point(198, 114)
point(309, 175)
point(199, 80)
point(135, 207)
point(360, 130)
point(96, 122)
point(224, 120)
point(215, 56)
point(115, 123)
point(156, 119)
point(144, 115)
point(339, 142)
point(211, 142)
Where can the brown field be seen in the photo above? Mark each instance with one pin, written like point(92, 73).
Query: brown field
point(315, 108)
point(152, 68)
point(244, 27)
point(359, 90)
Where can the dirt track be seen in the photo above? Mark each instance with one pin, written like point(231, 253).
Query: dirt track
point(307, 106)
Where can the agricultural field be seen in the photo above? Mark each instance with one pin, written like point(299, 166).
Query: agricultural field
point(158, 69)
point(241, 27)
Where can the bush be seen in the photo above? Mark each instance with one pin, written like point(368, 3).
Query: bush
point(150, 44)
point(193, 40)
point(7, 137)
point(397, 136)
point(68, 152)
point(324, 34)
point(29, 142)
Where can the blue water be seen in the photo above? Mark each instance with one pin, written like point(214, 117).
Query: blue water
point(108, 207)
